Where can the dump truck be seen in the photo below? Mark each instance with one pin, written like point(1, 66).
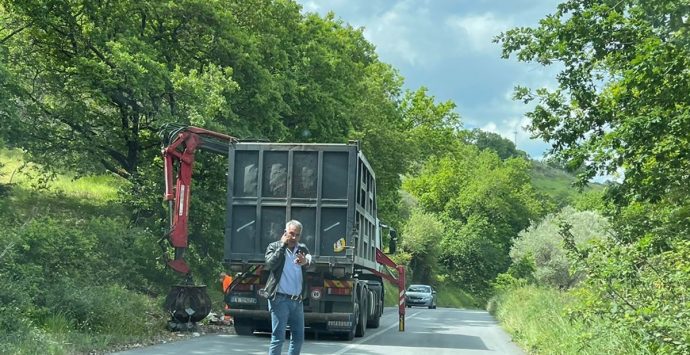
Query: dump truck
point(329, 188)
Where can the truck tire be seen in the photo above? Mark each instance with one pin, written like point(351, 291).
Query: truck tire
point(375, 320)
point(363, 313)
point(244, 326)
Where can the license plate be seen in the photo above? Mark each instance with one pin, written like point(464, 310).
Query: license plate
point(236, 299)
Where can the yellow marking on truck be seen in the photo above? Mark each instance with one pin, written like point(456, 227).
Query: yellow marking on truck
point(337, 283)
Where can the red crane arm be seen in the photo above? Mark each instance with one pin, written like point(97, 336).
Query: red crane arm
point(180, 152)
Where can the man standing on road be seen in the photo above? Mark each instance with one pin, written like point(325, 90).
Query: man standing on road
point(286, 288)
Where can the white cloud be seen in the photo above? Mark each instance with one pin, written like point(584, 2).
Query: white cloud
point(446, 45)
point(477, 31)
point(310, 6)
point(402, 31)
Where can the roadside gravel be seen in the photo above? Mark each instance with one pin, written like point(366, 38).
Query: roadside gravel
point(169, 337)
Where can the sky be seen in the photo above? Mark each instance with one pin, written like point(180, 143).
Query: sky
point(446, 46)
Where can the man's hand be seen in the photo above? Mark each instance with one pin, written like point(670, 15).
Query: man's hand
point(301, 259)
point(284, 239)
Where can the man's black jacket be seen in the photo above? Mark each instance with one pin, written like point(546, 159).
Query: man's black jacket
point(275, 260)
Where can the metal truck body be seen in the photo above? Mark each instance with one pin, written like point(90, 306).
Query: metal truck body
point(331, 190)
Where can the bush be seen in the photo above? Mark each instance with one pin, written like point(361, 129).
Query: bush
point(641, 292)
point(542, 245)
point(101, 309)
point(25, 338)
point(64, 285)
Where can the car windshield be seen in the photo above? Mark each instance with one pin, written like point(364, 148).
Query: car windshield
point(425, 289)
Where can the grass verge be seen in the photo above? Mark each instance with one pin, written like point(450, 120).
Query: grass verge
point(537, 319)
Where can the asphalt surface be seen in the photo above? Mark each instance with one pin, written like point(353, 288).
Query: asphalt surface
point(427, 331)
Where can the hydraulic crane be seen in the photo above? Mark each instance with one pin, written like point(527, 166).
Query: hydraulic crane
point(186, 302)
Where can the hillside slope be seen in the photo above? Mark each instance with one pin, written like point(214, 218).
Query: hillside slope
point(558, 184)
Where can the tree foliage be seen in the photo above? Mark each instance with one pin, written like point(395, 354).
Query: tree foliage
point(621, 99)
point(423, 233)
point(494, 141)
point(94, 81)
point(474, 253)
point(431, 127)
point(621, 105)
point(640, 291)
point(486, 201)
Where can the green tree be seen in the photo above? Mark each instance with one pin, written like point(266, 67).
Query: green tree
point(487, 200)
point(383, 137)
point(474, 252)
point(432, 127)
point(490, 140)
point(96, 80)
point(621, 99)
point(403, 132)
point(421, 237)
point(621, 104)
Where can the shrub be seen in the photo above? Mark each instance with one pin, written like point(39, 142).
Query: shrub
point(640, 291)
point(101, 309)
point(542, 245)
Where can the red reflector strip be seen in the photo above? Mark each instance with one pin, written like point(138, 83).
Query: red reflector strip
point(337, 283)
point(339, 291)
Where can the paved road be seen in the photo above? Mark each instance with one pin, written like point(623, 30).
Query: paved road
point(427, 332)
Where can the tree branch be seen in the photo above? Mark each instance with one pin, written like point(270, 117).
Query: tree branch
point(20, 29)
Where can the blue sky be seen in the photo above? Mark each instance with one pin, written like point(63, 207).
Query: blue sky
point(446, 46)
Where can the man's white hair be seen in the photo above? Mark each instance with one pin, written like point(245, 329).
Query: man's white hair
point(295, 223)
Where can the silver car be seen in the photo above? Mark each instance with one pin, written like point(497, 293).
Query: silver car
point(420, 295)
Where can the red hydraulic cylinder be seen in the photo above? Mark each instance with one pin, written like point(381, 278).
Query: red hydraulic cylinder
point(178, 234)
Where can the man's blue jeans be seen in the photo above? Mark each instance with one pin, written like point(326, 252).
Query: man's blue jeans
point(284, 312)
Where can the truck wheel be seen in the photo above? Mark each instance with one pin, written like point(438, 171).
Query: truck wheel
point(374, 322)
point(363, 313)
point(244, 327)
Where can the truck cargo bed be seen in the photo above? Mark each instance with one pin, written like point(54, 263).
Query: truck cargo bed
point(329, 188)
